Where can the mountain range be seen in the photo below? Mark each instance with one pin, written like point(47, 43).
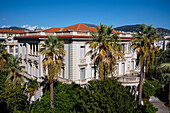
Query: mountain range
point(127, 28)
point(132, 28)
point(15, 28)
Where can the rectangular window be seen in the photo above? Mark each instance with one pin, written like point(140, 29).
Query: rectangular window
point(36, 49)
point(82, 51)
point(132, 65)
point(62, 71)
point(30, 69)
point(129, 48)
point(123, 48)
point(35, 96)
point(92, 72)
point(123, 68)
point(31, 49)
point(82, 73)
point(36, 71)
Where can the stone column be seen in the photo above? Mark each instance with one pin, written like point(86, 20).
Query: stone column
point(14, 50)
point(7, 48)
point(35, 45)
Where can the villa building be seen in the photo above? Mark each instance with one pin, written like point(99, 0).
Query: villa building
point(76, 67)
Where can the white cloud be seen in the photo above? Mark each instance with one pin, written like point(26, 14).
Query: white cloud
point(4, 26)
point(27, 27)
point(33, 27)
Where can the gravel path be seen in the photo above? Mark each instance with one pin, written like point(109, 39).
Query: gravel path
point(159, 104)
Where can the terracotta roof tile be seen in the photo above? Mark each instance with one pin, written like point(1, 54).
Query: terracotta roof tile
point(76, 27)
point(53, 29)
point(11, 31)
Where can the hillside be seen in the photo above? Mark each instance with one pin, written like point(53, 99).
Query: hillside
point(132, 28)
point(14, 28)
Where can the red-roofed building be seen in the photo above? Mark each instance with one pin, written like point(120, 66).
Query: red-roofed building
point(6, 38)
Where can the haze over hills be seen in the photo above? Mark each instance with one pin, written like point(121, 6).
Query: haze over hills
point(15, 28)
point(132, 28)
point(127, 28)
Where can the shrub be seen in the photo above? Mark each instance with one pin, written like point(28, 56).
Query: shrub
point(105, 96)
point(148, 107)
point(150, 88)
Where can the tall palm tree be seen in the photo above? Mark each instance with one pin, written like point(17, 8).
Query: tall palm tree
point(14, 70)
point(3, 55)
point(32, 86)
point(104, 50)
point(54, 53)
point(143, 43)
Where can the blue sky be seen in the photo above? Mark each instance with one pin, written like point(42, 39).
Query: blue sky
point(61, 13)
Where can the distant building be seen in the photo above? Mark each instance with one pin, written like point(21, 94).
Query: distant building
point(6, 38)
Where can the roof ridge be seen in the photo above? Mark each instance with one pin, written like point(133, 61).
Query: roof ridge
point(78, 26)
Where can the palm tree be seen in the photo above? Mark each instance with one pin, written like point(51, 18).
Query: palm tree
point(143, 43)
point(14, 75)
point(14, 71)
point(104, 50)
point(3, 55)
point(54, 53)
point(32, 86)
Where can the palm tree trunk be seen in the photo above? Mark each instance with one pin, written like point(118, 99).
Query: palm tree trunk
point(140, 85)
point(51, 94)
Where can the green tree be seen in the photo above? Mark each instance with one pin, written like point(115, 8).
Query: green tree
point(32, 86)
point(14, 70)
point(54, 53)
point(65, 99)
point(3, 57)
point(104, 50)
point(15, 98)
point(105, 96)
point(143, 43)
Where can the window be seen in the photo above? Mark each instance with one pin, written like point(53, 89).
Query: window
point(34, 49)
point(123, 48)
point(9, 40)
point(123, 68)
point(82, 73)
point(23, 49)
point(62, 72)
point(82, 51)
point(35, 96)
point(31, 49)
point(30, 69)
point(93, 72)
point(36, 71)
point(11, 49)
point(132, 65)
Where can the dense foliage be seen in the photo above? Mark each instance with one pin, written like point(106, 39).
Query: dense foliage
point(65, 99)
point(105, 96)
point(150, 87)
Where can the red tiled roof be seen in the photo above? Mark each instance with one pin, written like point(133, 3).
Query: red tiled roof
point(11, 31)
point(71, 36)
point(77, 27)
point(53, 29)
